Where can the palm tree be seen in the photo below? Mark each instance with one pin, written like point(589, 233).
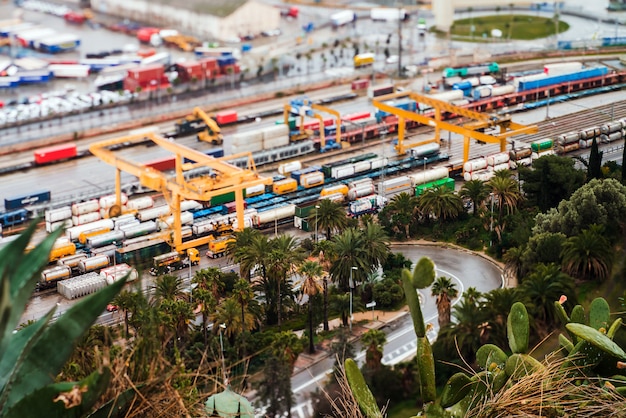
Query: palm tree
point(238, 250)
point(311, 271)
point(444, 291)
point(376, 244)
point(514, 261)
point(476, 191)
point(243, 294)
point(541, 289)
point(375, 341)
point(228, 313)
point(506, 194)
point(401, 212)
point(168, 287)
point(253, 253)
point(331, 216)
point(210, 279)
point(350, 252)
point(207, 304)
point(126, 302)
point(340, 303)
point(283, 259)
point(440, 203)
point(326, 254)
point(588, 255)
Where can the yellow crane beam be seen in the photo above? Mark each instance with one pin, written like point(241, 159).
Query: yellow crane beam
point(224, 178)
point(469, 131)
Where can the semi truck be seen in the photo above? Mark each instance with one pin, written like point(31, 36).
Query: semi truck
point(168, 262)
point(342, 17)
point(217, 247)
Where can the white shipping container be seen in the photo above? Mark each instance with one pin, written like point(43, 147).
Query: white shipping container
point(117, 275)
point(140, 203)
point(342, 171)
point(109, 200)
point(483, 175)
point(123, 220)
point(362, 166)
point(474, 165)
point(245, 138)
point(297, 222)
point(609, 128)
point(568, 138)
point(379, 163)
point(487, 80)
point(287, 168)
point(53, 226)
point(536, 155)
point(255, 190)
point(280, 141)
point(128, 224)
point(562, 68)
point(247, 147)
point(394, 186)
point(526, 162)
point(447, 96)
point(502, 90)
point(79, 286)
point(58, 214)
point(334, 197)
point(85, 207)
point(71, 261)
point(69, 70)
point(190, 205)
point(276, 131)
point(499, 158)
point(86, 218)
point(422, 177)
point(585, 143)
point(152, 213)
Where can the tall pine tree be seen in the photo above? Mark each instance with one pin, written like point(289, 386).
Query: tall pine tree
point(594, 169)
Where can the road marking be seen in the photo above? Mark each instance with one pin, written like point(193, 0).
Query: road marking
point(313, 380)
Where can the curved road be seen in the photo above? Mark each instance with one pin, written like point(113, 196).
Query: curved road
point(467, 269)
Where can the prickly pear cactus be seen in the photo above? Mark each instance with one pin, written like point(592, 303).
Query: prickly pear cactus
point(518, 328)
point(361, 392)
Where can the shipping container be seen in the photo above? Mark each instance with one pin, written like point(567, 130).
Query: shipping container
point(53, 226)
point(83, 236)
point(58, 43)
point(54, 153)
point(69, 71)
point(153, 213)
point(519, 153)
point(71, 261)
point(60, 250)
point(285, 186)
point(108, 238)
point(360, 84)
point(312, 179)
point(446, 183)
point(361, 190)
point(58, 214)
point(392, 187)
point(271, 215)
point(54, 274)
point(74, 232)
point(190, 71)
point(342, 17)
point(34, 198)
point(109, 200)
point(82, 208)
point(331, 190)
point(86, 218)
point(144, 228)
point(142, 252)
point(499, 158)
point(286, 168)
point(186, 218)
point(82, 285)
point(542, 145)
point(475, 164)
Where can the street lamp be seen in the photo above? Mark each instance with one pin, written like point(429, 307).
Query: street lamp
point(491, 223)
point(316, 209)
point(351, 284)
point(223, 327)
point(425, 158)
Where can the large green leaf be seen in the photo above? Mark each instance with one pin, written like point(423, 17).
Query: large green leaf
point(115, 407)
point(424, 273)
point(50, 351)
point(41, 403)
point(22, 270)
point(412, 300)
point(16, 350)
point(361, 391)
point(597, 339)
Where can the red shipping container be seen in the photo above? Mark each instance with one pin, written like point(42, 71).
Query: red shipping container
point(209, 63)
point(144, 34)
point(144, 75)
point(226, 116)
point(357, 116)
point(162, 164)
point(74, 17)
point(55, 153)
point(188, 71)
point(360, 84)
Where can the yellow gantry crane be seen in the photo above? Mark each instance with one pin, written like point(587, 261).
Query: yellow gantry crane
point(470, 130)
point(223, 178)
point(304, 107)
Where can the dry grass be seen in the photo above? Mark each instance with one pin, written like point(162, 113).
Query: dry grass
point(556, 391)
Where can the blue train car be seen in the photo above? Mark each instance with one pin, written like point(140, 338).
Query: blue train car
point(17, 202)
point(215, 153)
point(298, 173)
point(15, 217)
point(562, 78)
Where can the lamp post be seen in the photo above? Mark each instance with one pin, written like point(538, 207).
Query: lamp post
point(491, 223)
point(316, 209)
point(425, 158)
point(223, 327)
point(351, 284)
point(114, 260)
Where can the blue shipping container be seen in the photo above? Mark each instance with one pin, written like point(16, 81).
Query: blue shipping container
point(15, 217)
point(226, 60)
point(17, 202)
point(404, 104)
point(215, 153)
point(37, 76)
point(297, 173)
point(562, 78)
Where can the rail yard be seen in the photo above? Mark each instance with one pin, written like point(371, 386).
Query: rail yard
point(343, 148)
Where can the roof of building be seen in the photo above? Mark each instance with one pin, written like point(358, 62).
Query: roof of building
point(219, 8)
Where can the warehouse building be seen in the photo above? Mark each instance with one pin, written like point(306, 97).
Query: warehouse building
point(222, 20)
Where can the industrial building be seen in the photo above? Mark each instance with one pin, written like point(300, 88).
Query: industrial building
point(222, 20)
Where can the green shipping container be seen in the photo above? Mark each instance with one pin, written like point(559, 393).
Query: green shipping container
point(141, 253)
point(446, 183)
point(304, 211)
point(542, 145)
point(224, 198)
point(291, 123)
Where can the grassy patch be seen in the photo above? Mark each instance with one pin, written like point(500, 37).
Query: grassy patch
point(523, 27)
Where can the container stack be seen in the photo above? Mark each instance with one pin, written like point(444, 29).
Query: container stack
point(476, 169)
point(58, 218)
point(541, 148)
point(107, 202)
point(520, 156)
point(251, 141)
point(499, 161)
point(82, 285)
point(86, 212)
point(275, 136)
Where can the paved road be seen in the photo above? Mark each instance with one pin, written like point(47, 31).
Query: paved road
point(465, 268)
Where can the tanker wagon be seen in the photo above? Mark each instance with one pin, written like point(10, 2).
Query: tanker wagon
point(52, 275)
point(93, 263)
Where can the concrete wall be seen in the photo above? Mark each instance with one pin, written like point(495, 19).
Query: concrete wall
point(444, 9)
point(252, 17)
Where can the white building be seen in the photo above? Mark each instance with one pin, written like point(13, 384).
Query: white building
point(444, 9)
point(222, 20)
